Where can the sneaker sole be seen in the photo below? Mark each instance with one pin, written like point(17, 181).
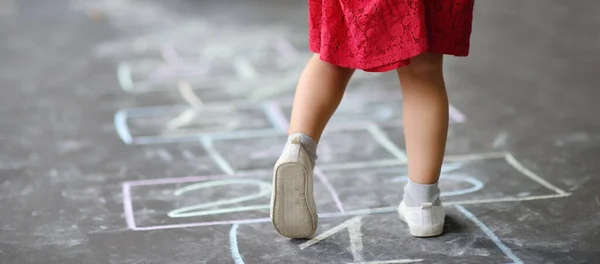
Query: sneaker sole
point(293, 216)
point(427, 231)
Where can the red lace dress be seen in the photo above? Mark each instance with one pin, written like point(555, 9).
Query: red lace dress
point(382, 35)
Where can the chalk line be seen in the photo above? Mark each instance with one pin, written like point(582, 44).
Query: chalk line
point(490, 234)
point(330, 232)
point(233, 245)
point(124, 77)
point(127, 206)
point(517, 165)
point(179, 138)
point(456, 115)
point(356, 243)
point(264, 190)
point(188, 94)
point(121, 127)
point(385, 141)
point(169, 54)
point(330, 188)
point(397, 261)
point(245, 69)
point(275, 115)
point(227, 222)
point(188, 115)
point(216, 156)
point(285, 48)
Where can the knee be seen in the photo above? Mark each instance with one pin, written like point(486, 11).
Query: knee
point(425, 65)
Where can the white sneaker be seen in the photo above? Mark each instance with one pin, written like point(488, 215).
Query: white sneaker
point(293, 209)
point(426, 220)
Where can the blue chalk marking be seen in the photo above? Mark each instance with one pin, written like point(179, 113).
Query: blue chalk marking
point(233, 245)
point(120, 121)
point(153, 111)
point(490, 234)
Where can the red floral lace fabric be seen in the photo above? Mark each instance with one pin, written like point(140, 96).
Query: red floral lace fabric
point(382, 35)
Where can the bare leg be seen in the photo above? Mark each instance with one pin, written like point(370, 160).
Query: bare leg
point(318, 94)
point(425, 116)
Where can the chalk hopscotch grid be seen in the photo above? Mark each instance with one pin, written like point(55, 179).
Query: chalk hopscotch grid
point(275, 115)
point(129, 214)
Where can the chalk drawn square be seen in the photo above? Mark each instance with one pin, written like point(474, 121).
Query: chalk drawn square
point(338, 146)
point(384, 238)
point(177, 123)
point(205, 200)
point(172, 160)
point(491, 177)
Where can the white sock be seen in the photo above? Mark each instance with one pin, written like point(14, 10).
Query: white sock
point(416, 194)
point(308, 144)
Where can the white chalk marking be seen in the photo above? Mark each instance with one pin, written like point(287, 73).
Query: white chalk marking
point(184, 118)
point(356, 243)
point(385, 141)
point(233, 245)
point(245, 69)
point(188, 94)
point(508, 199)
point(354, 236)
point(264, 190)
point(216, 156)
point(512, 161)
point(500, 140)
point(124, 77)
point(397, 261)
point(187, 116)
point(490, 234)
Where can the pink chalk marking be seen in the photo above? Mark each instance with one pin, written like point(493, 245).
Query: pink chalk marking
point(188, 179)
point(285, 48)
point(456, 115)
point(169, 54)
point(228, 222)
point(276, 114)
point(331, 190)
point(127, 206)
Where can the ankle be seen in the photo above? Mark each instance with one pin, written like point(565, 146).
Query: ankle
point(415, 194)
point(308, 144)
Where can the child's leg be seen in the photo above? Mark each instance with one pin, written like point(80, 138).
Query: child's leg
point(425, 116)
point(425, 120)
point(319, 92)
